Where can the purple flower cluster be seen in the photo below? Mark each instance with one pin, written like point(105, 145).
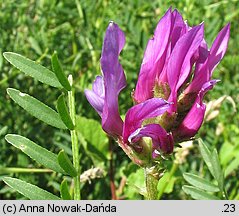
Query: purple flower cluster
point(175, 75)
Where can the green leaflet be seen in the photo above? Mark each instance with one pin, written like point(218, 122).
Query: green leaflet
point(212, 161)
point(198, 194)
point(200, 183)
point(56, 66)
point(218, 173)
point(34, 151)
point(64, 114)
point(206, 154)
point(97, 142)
point(66, 164)
point(28, 190)
point(65, 195)
point(32, 69)
point(36, 108)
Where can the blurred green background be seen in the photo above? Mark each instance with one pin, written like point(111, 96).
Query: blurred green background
point(75, 29)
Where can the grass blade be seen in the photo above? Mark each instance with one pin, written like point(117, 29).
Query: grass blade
point(32, 69)
point(34, 151)
point(28, 190)
point(36, 108)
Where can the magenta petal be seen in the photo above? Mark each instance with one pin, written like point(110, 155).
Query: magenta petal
point(153, 60)
point(179, 28)
point(202, 55)
point(104, 94)
point(114, 79)
point(219, 48)
point(96, 102)
point(191, 123)
point(217, 52)
point(199, 79)
point(179, 65)
point(112, 70)
point(194, 119)
point(98, 86)
point(96, 96)
point(205, 88)
point(138, 113)
point(162, 141)
point(179, 62)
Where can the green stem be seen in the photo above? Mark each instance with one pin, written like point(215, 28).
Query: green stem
point(75, 143)
point(165, 183)
point(5, 170)
point(151, 184)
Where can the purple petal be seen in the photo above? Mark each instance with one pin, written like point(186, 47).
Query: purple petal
point(96, 96)
point(112, 70)
point(153, 60)
point(162, 141)
point(205, 88)
point(179, 28)
point(194, 119)
point(138, 113)
point(98, 86)
point(191, 123)
point(202, 55)
point(104, 94)
point(114, 79)
point(96, 102)
point(217, 52)
point(179, 65)
point(219, 48)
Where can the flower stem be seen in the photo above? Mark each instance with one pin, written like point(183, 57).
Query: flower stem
point(75, 143)
point(151, 184)
point(165, 183)
point(111, 171)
